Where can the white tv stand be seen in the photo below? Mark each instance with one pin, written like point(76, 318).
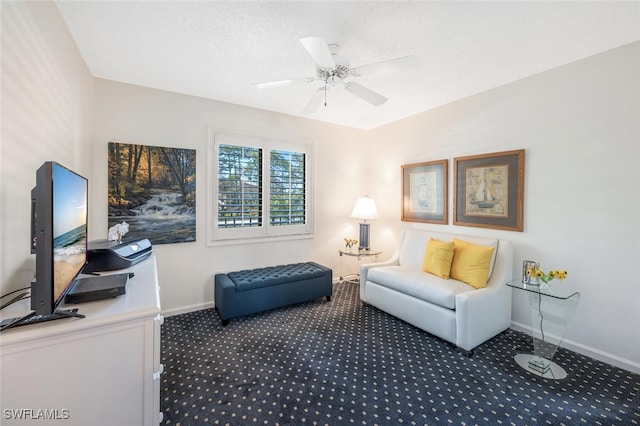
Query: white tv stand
point(103, 369)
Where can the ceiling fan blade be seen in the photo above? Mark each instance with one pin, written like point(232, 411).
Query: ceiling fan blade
point(397, 64)
point(279, 83)
point(315, 100)
point(319, 51)
point(365, 94)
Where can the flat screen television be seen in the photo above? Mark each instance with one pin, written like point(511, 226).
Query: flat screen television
point(59, 235)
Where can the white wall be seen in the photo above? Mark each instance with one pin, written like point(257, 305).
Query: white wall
point(133, 114)
point(578, 123)
point(46, 115)
point(580, 127)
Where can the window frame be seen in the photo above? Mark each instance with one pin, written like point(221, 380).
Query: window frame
point(266, 231)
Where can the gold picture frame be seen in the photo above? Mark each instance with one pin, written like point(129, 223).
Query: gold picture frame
point(489, 190)
point(424, 192)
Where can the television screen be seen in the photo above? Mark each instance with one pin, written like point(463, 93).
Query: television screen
point(69, 228)
point(59, 234)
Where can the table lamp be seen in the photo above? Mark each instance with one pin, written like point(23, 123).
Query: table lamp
point(364, 209)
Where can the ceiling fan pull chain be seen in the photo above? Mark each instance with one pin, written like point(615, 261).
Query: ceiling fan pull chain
point(325, 94)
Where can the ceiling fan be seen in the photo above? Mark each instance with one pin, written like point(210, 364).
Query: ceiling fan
point(333, 69)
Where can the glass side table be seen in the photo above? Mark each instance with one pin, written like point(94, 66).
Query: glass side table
point(551, 309)
point(359, 253)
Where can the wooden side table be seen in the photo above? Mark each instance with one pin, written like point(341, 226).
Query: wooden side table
point(359, 253)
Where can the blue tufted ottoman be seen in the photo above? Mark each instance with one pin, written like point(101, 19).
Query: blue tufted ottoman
point(254, 290)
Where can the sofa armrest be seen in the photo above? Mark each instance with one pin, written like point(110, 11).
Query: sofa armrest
point(481, 314)
point(366, 267)
point(485, 312)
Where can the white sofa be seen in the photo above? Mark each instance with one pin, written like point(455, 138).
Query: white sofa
point(447, 308)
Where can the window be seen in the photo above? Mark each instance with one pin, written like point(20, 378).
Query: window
point(239, 186)
point(287, 201)
point(259, 188)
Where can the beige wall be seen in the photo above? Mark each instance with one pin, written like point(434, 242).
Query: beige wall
point(133, 114)
point(47, 96)
point(578, 125)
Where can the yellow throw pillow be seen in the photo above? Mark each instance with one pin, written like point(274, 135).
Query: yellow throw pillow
point(471, 263)
point(437, 258)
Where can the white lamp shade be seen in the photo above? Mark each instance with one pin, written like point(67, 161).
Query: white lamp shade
point(365, 208)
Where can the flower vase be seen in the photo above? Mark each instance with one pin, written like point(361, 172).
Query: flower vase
point(527, 278)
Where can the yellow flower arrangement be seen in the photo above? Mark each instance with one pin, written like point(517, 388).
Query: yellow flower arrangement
point(349, 242)
point(549, 276)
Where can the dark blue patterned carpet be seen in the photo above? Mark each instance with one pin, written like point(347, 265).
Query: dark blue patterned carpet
point(345, 363)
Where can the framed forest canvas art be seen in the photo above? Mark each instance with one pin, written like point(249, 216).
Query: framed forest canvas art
point(153, 189)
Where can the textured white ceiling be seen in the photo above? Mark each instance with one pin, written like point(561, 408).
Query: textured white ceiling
point(218, 49)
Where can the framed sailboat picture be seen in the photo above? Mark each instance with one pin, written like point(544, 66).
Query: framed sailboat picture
point(489, 190)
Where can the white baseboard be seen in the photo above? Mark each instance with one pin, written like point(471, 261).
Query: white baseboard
point(186, 309)
point(589, 351)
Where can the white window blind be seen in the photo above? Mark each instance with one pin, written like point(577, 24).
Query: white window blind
point(288, 189)
point(259, 188)
point(239, 186)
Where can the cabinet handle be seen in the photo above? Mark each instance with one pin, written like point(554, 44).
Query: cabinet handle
point(159, 319)
point(156, 375)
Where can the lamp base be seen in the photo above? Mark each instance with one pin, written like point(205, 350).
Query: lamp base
point(364, 237)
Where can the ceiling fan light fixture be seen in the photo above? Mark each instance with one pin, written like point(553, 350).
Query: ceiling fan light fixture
point(333, 69)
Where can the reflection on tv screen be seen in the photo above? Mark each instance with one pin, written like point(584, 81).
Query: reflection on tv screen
point(69, 227)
